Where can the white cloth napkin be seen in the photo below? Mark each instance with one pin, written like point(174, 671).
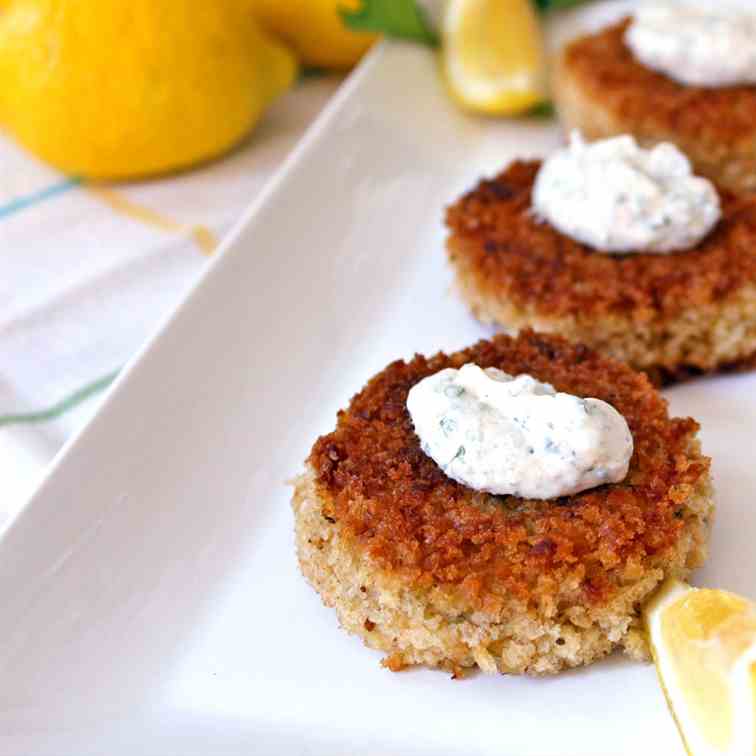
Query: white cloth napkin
point(89, 272)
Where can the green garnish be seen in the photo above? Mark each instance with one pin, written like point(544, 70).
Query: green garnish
point(405, 19)
point(448, 425)
point(544, 109)
point(453, 391)
point(394, 18)
point(547, 5)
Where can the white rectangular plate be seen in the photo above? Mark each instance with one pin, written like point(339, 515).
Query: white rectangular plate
point(151, 601)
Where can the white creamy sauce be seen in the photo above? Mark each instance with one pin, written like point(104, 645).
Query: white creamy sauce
point(707, 45)
point(518, 436)
point(618, 197)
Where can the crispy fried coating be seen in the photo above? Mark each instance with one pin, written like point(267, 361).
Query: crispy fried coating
point(603, 90)
point(693, 310)
point(454, 577)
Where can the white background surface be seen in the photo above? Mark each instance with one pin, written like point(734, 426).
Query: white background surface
point(152, 602)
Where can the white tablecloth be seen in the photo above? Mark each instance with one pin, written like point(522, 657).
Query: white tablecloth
point(89, 272)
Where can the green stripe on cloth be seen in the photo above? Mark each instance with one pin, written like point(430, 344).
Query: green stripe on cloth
point(63, 406)
point(29, 200)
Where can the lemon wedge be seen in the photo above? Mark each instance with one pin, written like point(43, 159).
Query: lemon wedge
point(704, 646)
point(493, 55)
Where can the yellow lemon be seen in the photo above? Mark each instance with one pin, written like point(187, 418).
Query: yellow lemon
point(116, 89)
point(315, 30)
point(704, 646)
point(493, 55)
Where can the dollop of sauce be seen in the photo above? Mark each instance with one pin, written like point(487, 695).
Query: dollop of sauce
point(709, 45)
point(516, 435)
point(619, 198)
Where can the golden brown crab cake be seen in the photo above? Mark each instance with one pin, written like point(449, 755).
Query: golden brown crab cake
point(602, 89)
point(670, 315)
point(433, 572)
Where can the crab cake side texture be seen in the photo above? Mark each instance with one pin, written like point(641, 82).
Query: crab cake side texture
point(602, 89)
point(672, 315)
point(432, 572)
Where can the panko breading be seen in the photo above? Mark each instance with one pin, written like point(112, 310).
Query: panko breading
point(670, 315)
point(602, 89)
point(432, 572)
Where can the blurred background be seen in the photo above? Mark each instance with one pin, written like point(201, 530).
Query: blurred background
point(133, 135)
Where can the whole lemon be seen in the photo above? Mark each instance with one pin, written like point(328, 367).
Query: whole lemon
point(315, 30)
point(125, 88)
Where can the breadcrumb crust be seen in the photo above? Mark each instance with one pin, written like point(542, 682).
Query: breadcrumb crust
point(602, 89)
point(689, 311)
point(432, 572)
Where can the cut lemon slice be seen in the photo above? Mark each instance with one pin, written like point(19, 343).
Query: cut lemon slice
point(493, 55)
point(704, 646)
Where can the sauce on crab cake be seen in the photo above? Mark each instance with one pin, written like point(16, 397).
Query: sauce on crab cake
point(674, 314)
point(433, 572)
point(601, 88)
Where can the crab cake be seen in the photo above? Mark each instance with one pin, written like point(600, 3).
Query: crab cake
point(433, 572)
point(602, 89)
point(670, 315)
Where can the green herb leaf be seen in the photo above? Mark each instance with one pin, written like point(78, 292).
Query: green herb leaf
point(312, 72)
point(394, 18)
point(544, 109)
point(547, 5)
